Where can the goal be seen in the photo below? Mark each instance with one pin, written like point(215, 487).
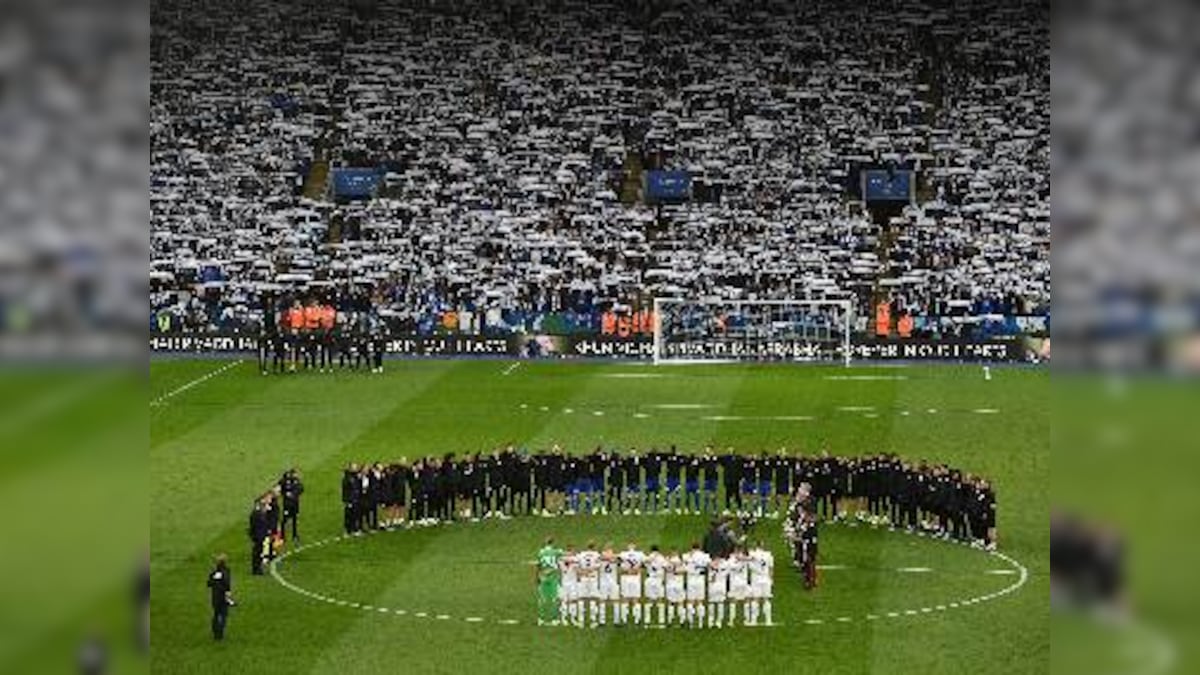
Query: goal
point(713, 331)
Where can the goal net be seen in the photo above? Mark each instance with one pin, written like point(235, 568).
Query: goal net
point(708, 331)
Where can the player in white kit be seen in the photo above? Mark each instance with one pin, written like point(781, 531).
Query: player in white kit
point(762, 565)
point(718, 587)
point(610, 589)
point(568, 590)
point(739, 583)
point(631, 561)
point(655, 589)
point(676, 595)
point(588, 562)
point(697, 562)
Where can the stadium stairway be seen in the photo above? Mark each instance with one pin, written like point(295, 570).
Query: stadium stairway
point(883, 251)
point(317, 179)
point(631, 186)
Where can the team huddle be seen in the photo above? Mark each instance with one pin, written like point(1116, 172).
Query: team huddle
point(690, 588)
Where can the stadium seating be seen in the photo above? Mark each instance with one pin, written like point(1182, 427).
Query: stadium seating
point(508, 141)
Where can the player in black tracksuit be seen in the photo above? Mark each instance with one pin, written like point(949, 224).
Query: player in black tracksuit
point(615, 485)
point(782, 466)
point(522, 483)
point(731, 465)
point(691, 483)
point(541, 481)
point(652, 466)
point(350, 489)
point(674, 491)
point(496, 496)
point(476, 482)
point(631, 471)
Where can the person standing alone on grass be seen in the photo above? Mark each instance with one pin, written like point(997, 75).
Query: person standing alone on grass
point(548, 580)
point(220, 585)
point(292, 488)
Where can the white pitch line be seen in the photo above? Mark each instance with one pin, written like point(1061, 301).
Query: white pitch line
point(865, 378)
point(640, 416)
point(986, 411)
point(598, 413)
point(683, 406)
point(199, 380)
point(723, 418)
point(856, 408)
point(1017, 568)
point(512, 368)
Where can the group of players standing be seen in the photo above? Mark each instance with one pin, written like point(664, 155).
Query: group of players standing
point(689, 588)
point(315, 337)
point(507, 482)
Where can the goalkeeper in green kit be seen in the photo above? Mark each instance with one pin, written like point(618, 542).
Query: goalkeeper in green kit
point(548, 579)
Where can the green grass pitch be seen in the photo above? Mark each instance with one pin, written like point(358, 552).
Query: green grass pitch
point(215, 445)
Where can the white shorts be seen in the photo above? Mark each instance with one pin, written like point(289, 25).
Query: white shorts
point(654, 589)
point(588, 589)
point(738, 591)
point(568, 592)
point(675, 591)
point(609, 589)
point(760, 589)
point(631, 587)
point(718, 592)
point(695, 588)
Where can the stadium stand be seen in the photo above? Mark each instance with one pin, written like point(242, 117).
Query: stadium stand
point(496, 160)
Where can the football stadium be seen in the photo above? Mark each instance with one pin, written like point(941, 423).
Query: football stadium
point(626, 336)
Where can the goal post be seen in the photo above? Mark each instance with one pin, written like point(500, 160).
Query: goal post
point(718, 331)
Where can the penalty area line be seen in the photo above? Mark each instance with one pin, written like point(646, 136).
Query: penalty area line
point(511, 368)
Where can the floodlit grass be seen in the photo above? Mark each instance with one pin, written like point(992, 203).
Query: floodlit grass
point(218, 444)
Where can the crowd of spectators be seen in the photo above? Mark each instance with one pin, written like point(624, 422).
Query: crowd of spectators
point(512, 140)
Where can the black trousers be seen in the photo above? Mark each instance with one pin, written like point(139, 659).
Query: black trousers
point(291, 515)
point(219, 618)
point(349, 517)
point(732, 495)
point(256, 557)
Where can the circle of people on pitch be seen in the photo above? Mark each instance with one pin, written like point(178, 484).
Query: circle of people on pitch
point(882, 489)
